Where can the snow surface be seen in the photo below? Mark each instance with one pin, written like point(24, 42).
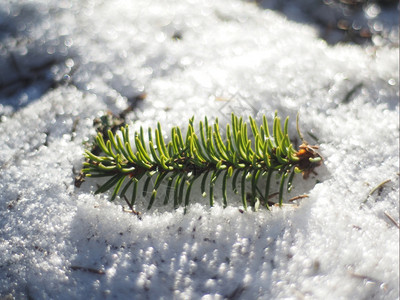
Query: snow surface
point(65, 62)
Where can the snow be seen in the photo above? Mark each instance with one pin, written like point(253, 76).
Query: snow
point(63, 63)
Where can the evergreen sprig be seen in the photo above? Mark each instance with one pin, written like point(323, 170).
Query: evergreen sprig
point(182, 161)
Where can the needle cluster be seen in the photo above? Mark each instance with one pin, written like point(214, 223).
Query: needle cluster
point(206, 155)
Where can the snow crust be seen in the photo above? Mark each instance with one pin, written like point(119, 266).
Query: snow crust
point(79, 59)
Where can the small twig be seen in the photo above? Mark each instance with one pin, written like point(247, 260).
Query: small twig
point(365, 277)
point(379, 186)
point(285, 204)
point(73, 129)
point(298, 197)
point(129, 204)
point(350, 93)
point(273, 195)
point(131, 210)
point(91, 270)
point(368, 278)
point(236, 293)
point(313, 136)
point(391, 219)
point(270, 196)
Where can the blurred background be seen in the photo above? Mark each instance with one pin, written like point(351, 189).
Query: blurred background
point(363, 22)
point(27, 72)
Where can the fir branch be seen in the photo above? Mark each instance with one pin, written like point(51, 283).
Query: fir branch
point(181, 162)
